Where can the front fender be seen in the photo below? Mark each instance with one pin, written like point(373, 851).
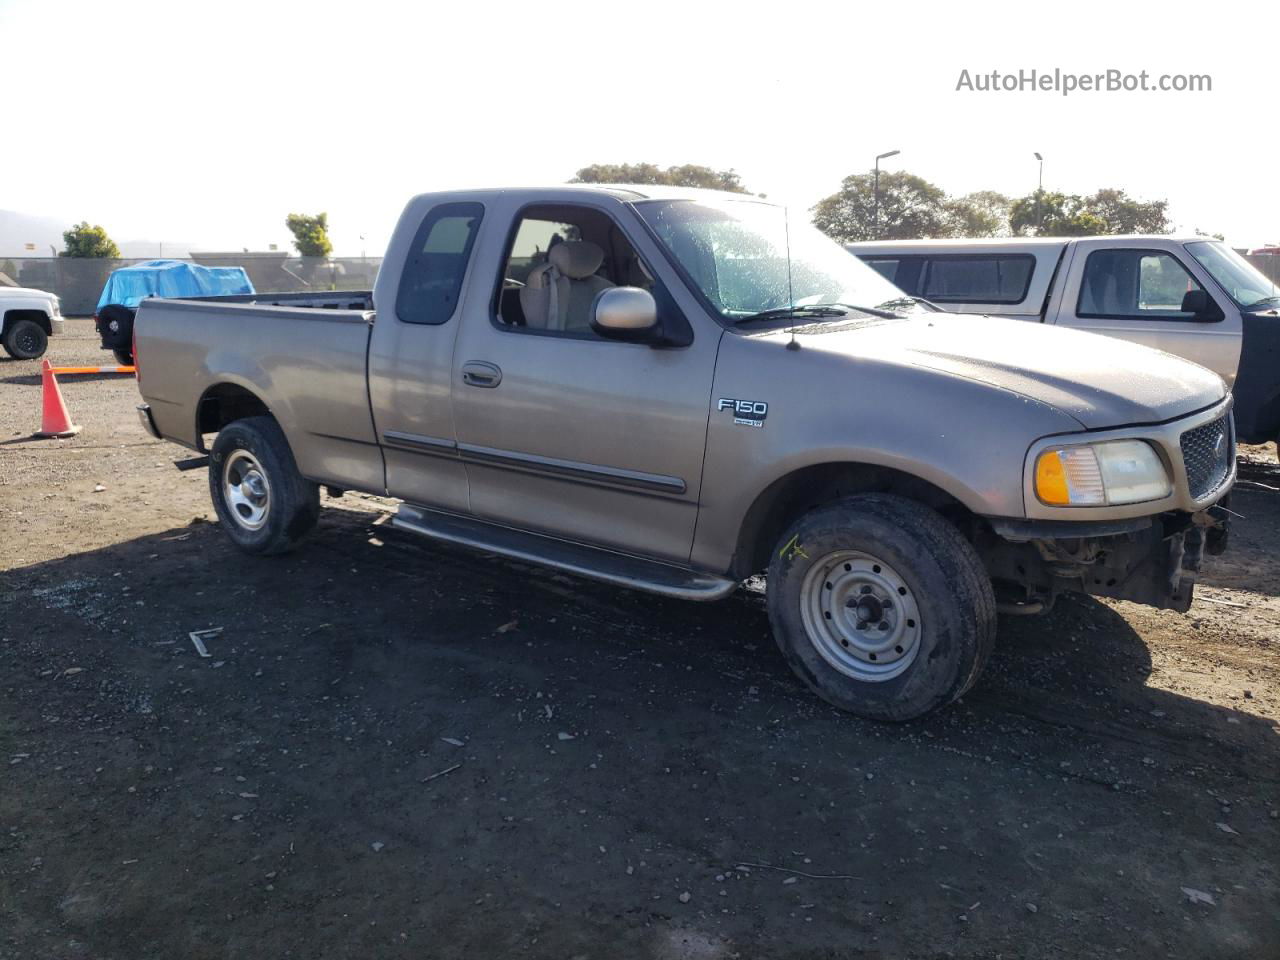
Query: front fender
point(965, 437)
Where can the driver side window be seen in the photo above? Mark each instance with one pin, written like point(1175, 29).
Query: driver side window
point(1135, 284)
point(559, 258)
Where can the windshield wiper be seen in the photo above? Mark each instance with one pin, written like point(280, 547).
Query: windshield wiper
point(810, 310)
point(816, 310)
point(1258, 303)
point(911, 300)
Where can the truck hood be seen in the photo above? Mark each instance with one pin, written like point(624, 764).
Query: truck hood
point(1100, 381)
point(24, 293)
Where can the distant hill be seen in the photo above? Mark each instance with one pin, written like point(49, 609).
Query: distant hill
point(19, 229)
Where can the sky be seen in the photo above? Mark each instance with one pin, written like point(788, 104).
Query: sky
point(209, 123)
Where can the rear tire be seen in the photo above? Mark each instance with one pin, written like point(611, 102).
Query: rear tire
point(881, 607)
point(265, 505)
point(25, 340)
point(115, 326)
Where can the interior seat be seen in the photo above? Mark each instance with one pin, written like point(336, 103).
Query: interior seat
point(559, 293)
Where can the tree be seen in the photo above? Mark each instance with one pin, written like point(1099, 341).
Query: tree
point(910, 208)
point(981, 214)
point(1109, 211)
point(686, 175)
point(83, 240)
point(1123, 214)
point(310, 234)
point(1059, 215)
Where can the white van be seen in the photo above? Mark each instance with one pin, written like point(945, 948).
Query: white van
point(1190, 296)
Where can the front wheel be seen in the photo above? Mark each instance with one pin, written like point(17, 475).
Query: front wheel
point(881, 607)
point(265, 505)
point(25, 340)
point(124, 357)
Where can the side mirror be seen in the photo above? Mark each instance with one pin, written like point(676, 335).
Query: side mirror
point(625, 313)
point(1201, 306)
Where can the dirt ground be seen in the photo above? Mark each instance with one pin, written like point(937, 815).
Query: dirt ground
point(397, 749)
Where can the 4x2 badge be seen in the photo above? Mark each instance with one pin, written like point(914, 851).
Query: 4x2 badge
point(746, 413)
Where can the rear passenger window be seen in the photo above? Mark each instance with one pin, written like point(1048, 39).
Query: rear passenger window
point(978, 279)
point(433, 272)
point(1140, 284)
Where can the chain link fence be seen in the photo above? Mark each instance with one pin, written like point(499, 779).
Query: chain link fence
point(79, 282)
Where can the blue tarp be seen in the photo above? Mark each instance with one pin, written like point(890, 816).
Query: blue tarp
point(129, 286)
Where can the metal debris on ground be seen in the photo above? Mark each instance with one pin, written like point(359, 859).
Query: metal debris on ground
point(746, 866)
point(441, 773)
point(1199, 896)
point(198, 637)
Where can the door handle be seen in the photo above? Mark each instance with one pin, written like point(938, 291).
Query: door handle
point(478, 373)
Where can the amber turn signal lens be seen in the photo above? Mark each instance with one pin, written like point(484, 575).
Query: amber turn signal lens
point(1051, 479)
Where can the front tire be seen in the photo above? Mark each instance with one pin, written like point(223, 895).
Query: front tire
point(881, 607)
point(25, 340)
point(265, 505)
point(124, 357)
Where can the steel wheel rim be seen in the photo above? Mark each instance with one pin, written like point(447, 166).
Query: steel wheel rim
point(246, 489)
point(860, 615)
point(28, 342)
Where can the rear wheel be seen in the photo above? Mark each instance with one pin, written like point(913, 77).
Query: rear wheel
point(265, 505)
point(25, 340)
point(881, 607)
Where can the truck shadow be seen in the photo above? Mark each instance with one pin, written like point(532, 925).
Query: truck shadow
point(364, 606)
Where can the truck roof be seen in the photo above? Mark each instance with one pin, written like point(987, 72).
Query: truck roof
point(621, 191)
point(994, 243)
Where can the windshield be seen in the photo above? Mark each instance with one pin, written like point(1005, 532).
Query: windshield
point(1236, 275)
point(735, 251)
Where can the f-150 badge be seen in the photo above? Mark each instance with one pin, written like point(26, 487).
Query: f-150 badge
point(746, 413)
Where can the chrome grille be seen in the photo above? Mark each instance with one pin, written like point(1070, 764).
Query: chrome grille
point(1207, 453)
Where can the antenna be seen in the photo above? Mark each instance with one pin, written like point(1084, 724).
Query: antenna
point(791, 297)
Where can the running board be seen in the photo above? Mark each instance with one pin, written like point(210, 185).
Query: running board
point(597, 564)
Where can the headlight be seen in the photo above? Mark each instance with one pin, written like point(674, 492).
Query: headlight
point(1101, 474)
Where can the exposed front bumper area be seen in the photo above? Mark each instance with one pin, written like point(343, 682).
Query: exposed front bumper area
point(148, 421)
point(56, 325)
point(1155, 561)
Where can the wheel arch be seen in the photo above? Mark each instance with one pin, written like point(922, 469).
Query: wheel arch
point(791, 495)
point(223, 403)
point(15, 314)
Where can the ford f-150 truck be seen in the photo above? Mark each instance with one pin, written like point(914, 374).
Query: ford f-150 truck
point(675, 391)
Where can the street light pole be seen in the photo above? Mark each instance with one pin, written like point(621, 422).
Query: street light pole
point(875, 192)
point(1039, 193)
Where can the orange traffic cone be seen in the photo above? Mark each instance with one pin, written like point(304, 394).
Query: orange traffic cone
point(54, 419)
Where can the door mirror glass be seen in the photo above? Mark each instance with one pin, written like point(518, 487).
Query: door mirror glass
point(625, 313)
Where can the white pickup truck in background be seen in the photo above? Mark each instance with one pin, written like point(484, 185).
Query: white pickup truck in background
point(1190, 296)
point(28, 318)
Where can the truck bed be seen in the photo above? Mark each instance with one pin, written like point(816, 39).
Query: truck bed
point(301, 355)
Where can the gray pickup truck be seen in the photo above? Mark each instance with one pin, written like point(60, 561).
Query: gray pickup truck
point(678, 390)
